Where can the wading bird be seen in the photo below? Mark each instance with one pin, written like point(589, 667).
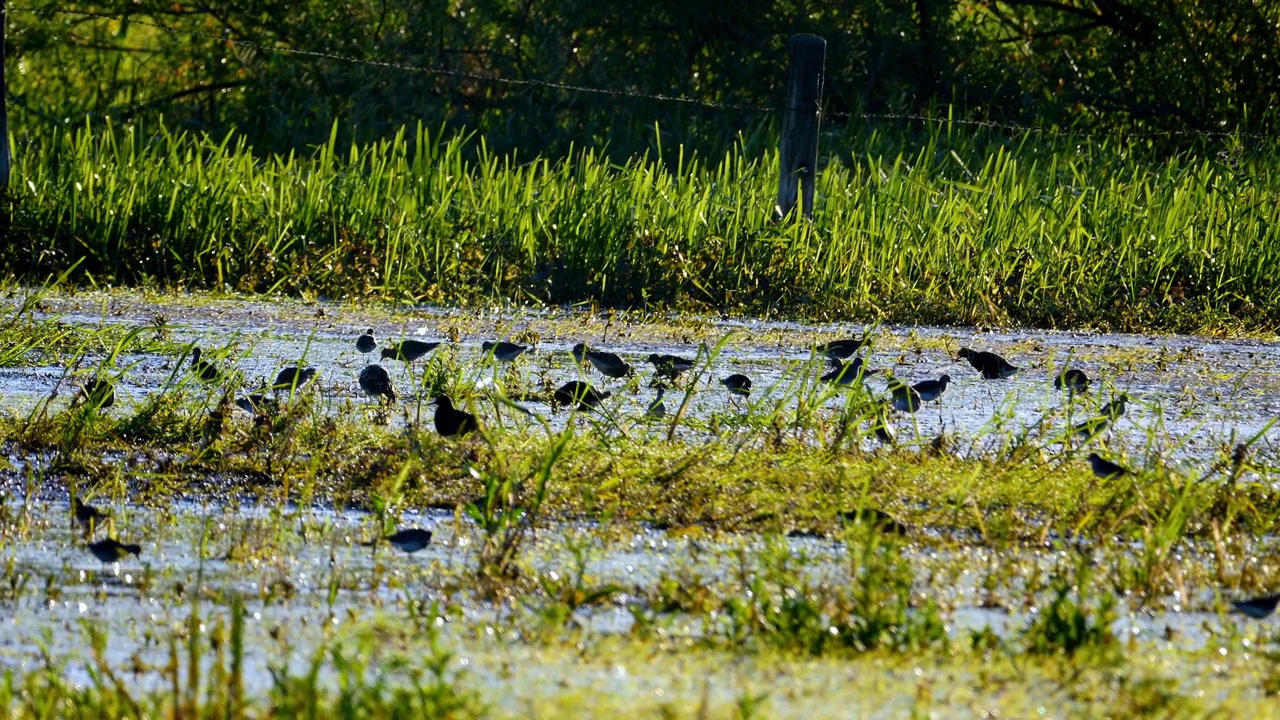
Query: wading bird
point(450, 421)
point(408, 350)
point(111, 550)
point(737, 384)
point(991, 365)
point(375, 382)
point(504, 351)
point(609, 364)
point(579, 394)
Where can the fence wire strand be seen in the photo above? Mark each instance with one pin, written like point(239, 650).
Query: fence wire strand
point(619, 92)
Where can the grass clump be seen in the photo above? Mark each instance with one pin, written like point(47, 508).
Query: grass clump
point(946, 227)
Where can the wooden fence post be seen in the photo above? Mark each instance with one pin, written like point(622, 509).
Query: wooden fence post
point(800, 116)
point(5, 160)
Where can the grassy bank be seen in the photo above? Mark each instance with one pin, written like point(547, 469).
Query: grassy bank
point(972, 227)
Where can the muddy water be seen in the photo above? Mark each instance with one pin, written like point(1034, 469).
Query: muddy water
point(310, 578)
point(1194, 394)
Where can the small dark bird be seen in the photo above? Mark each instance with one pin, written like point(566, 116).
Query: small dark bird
point(257, 403)
point(669, 366)
point(203, 369)
point(1104, 468)
point(847, 373)
point(408, 350)
point(504, 351)
point(111, 550)
point(366, 343)
point(1073, 380)
point(375, 382)
point(609, 364)
point(842, 349)
point(657, 408)
point(737, 384)
point(576, 392)
point(930, 390)
point(98, 393)
point(991, 365)
point(1115, 408)
point(450, 421)
point(293, 377)
point(904, 398)
point(85, 514)
point(410, 541)
point(1259, 607)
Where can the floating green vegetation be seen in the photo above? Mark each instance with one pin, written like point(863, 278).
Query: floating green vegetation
point(948, 227)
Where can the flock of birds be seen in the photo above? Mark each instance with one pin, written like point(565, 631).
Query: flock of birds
point(847, 368)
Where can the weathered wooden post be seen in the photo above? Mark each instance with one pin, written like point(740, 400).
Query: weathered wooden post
point(800, 116)
point(4, 106)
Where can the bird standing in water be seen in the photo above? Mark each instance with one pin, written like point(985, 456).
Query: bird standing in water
point(202, 368)
point(842, 349)
point(991, 365)
point(366, 343)
point(1259, 607)
point(669, 366)
point(375, 382)
point(111, 550)
point(1104, 468)
point(609, 364)
point(293, 377)
point(450, 421)
point(1073, 380)
point(579, 394)
point(410, 540)
point(657, 408)
point(408, 350)
point(737, 384)
point(504, 351)
point(930, 390)
point(847, 373)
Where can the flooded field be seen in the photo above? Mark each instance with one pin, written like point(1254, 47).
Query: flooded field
point(762, 555)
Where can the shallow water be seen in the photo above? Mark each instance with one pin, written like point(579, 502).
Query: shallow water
point(309, 578)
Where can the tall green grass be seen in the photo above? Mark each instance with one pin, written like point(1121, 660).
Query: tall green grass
point(941, 227)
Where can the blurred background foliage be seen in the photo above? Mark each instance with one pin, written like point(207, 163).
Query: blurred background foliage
point(284, 73)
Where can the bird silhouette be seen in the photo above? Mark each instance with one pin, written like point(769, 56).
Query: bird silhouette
point(257, 403)
point(657, 408)
point(375, 382)
point(1104, 468)
point(408, 350)
point(609, 364)
point(991, 365)
point(930, 390)
point(669, 366)
point(579, 394)
point(847, 373)
point(85, 514)
point(450, 421)
point(737, 384)
point(110, 550)
point(410, 540)
point(842, 349)
point(202, 368)
point(1073, 380)
point(504, 351)
point(293, 377)
point(1258, 607)
point(366, 343)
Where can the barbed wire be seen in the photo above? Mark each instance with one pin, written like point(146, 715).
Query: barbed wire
point(622, 92)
